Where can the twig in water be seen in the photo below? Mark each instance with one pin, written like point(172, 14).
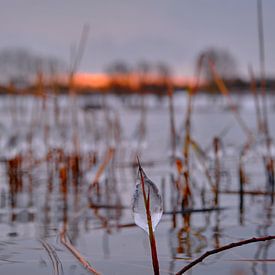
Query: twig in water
point(223, 248)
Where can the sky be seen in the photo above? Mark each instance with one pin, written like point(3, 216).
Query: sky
point(169, 31)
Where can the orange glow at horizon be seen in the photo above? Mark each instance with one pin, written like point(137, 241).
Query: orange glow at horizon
point(133, 80)
point(91, 80)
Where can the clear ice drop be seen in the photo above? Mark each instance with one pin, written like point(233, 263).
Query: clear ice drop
point(138, 205)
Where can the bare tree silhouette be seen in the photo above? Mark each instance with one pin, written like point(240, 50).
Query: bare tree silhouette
point(224, 62)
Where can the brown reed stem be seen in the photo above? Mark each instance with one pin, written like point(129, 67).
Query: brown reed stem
point(223, 248)
point(172, 120)
point(186, 191)
point(262, 63)
point(253, 89)
point(149, 222)
point(201, 158)
point(108, 157)
point(76, 253)
point(216, 144)
point(224, 91)
point(242, 180)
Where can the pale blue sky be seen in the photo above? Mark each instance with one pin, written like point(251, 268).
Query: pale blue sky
point(173, 31)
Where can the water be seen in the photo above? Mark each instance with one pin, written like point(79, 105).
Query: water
point(138, 205)
point(36, 202)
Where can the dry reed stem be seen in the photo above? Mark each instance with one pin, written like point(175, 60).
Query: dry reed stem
point(262, 63)
point(216, 145)
point(201, 156)
point(223, 248)
point(186, 192)
point(76, 253)
point(172, 120)
point(253, 89)
point(149, 222)
point(76, 59)
point(109, 155)
point(223, 89)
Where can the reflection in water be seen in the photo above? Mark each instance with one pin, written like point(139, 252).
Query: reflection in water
point(263, 230)
point(217, 231)
point(187, 240)
point(56, 263)
point(46, 181)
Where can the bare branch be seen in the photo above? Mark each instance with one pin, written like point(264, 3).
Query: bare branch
point(223, 248)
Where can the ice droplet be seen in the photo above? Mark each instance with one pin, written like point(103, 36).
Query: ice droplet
point(138, 205)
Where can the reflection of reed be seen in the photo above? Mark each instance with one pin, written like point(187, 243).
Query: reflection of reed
point(216, 145)
point(14, 172)
point(57, 264)
point(187, 240)
point(216, 231)
point(262, 249)
point(60, 169)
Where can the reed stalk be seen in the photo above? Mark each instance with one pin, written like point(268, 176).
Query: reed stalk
point(172, 120)
point(201, 158)
point(216, 144)
point(108, 156)
point(76, 253)
point(253, 89)
point(186, 189)
point(225, 92)
point(262, 63)
point(149, 222)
